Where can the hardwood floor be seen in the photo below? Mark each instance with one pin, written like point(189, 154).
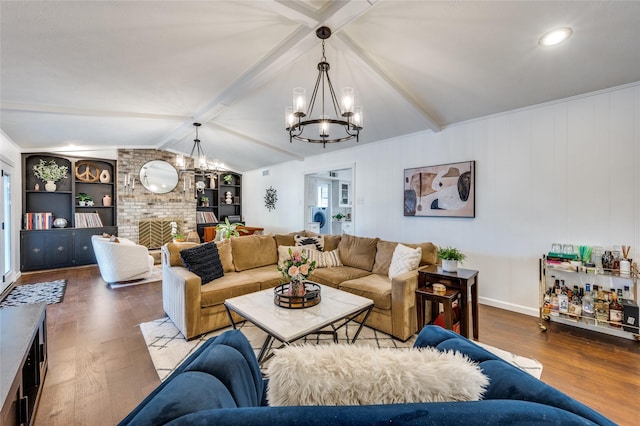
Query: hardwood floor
point(99, 367)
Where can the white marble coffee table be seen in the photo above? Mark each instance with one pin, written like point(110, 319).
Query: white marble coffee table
point(335, 310)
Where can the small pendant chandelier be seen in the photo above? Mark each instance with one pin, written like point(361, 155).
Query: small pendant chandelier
point(200, 160)
point(348, 120)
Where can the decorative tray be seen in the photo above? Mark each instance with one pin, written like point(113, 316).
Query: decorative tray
point(310, 298)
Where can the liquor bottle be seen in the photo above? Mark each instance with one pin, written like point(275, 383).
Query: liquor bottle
point(575, 305)
point(554, 304)
point(627, 294)
point(587, 305)
point(601, 307)
point(546, 305)
point(615, 311)
point(563, 304)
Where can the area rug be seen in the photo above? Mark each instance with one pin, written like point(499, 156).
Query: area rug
point(49, 292)
point(156, 276)
point(168, 348)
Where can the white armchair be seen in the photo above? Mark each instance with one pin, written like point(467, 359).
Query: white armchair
point(122, 261)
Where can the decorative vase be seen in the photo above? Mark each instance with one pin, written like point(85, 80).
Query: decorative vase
point(82, 203)
point(36, 187)
point(106, 200)
point(50, 186)
point(296, 288)
point(105, 176)
point(60, 222)
point(212, 182)
point(449, 265)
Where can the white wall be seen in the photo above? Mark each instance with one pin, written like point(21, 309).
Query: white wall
point(567, 171)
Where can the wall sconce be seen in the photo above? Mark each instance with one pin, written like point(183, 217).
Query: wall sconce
point(129, 182)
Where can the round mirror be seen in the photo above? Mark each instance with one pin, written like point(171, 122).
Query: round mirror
point(158, 176)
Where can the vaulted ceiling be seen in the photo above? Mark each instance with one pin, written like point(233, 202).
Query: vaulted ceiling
point(139, 73)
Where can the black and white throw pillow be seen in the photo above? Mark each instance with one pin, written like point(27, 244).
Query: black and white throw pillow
point(204, 261)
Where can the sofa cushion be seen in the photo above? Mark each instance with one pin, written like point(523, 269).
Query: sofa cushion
point(384, 253)
point(331, 242)
point(188, 392)
point(174, 252)
point(253, 251)
point(323, 259)
point(429, 252)
point(317, 242)
point(404, 259)
point(307, 375)
point(267, 276)
point(286, 239)
point(373, 286)
point(334, 276)
point(358, 252)
point(231, 285)
point(224, 251)
point(204, 261)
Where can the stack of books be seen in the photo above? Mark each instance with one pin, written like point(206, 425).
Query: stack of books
point(38, 221)
point(206, 217)
point(88, 220)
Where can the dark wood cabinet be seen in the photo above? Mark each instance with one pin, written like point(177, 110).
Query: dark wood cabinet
point(58, 248)
point(45, 246)
point(23, 342)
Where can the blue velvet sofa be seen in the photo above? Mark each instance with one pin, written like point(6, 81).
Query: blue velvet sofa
point(221, 384)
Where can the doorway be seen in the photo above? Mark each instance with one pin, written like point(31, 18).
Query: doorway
point(328, 205)
point(8, 274)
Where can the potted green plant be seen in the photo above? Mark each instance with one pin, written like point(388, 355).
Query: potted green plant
point(204, 201)
point(338, 216)
point(84, 199)
point(450, 257)
point(227, 179)
point(227, 230)
point(50, 173)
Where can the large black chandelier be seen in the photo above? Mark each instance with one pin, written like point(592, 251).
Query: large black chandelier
point(348, 118)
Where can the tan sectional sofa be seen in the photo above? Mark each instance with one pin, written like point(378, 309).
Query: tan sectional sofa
point(250, 263)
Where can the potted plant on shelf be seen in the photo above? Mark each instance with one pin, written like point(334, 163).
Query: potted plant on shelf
point(227, 230)
point(450, 257)
point(204, 201)
point(84, 199)
point(50, 173)
point(338, 216)
point(227, 179)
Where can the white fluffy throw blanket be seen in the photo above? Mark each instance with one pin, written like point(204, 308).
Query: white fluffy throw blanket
point(356, 375)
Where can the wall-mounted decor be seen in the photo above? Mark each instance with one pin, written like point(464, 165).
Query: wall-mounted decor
point(270, 198)
point(446, 190)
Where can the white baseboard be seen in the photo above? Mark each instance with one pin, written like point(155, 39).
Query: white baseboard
point(526, 310)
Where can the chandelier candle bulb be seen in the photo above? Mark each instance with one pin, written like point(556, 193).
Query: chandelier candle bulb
point(288, 117)
point(347, 100)
point(357, 116)
point(324, 126)
point(299, 100)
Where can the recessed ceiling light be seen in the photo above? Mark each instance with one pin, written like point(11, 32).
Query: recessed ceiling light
point(554, 37)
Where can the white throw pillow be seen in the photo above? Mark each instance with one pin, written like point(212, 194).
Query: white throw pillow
point(359, 375)
point(404, 259)
point(324, 259)
point(283, 253)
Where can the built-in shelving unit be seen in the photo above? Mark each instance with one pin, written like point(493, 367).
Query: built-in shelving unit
point(58, 247)
point(224, 199)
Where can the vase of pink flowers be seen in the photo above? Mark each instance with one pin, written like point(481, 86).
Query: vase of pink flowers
point(295, 270)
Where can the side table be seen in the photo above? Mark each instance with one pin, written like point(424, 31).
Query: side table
point(462, 280)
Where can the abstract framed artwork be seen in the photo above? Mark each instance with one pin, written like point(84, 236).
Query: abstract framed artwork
point(446, 190)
